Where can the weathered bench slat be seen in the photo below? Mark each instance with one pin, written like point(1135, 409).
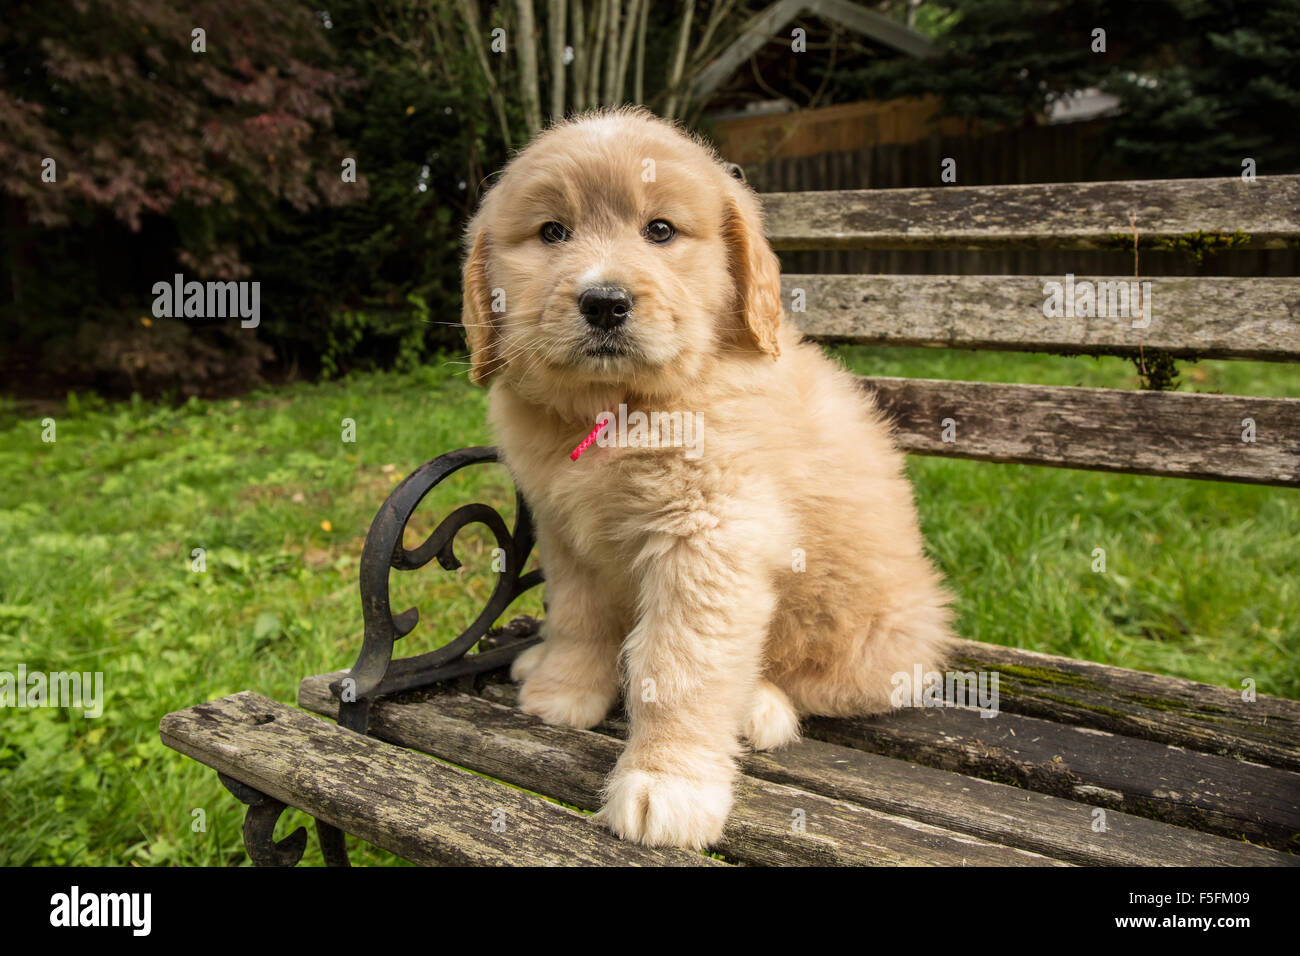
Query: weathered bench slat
point(1183, 787)
point(1257, 318)
point(409, 804)
point(1179, 434)
point(1059, 215)
point(572, 764)
point(1137, 704)
point(1133, 703)
point(1058, 827)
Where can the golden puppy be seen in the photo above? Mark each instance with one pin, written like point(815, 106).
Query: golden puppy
point(766, 563)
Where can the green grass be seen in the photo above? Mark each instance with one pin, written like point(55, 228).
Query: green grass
point(97, 530)
point(1202, 579)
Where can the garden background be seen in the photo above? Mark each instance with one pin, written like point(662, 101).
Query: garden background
point(174, 436)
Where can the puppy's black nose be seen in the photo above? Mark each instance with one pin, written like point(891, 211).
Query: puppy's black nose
point(605, 307)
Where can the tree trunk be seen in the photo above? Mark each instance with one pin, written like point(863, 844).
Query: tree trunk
point(638, 79)
point(625, 47)
point(555, 18)
point(527, 43)
point(469, 16)
point(581, 56)
point(716, 16)
point(676, 96)
point(611, 53)
point(597, 48)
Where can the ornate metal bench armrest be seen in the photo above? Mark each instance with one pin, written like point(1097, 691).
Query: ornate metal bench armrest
point(375, 671)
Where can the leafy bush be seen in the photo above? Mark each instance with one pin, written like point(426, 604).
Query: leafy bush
point(119, 353)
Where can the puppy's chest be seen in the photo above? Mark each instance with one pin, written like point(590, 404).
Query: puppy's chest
point(605, 504)
point(592, 500)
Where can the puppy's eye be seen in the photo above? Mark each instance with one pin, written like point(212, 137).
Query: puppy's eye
point(659, 231)
point(553, 232)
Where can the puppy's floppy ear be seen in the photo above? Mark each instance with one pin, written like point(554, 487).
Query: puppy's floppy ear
point(476, 311)
point(754, 267)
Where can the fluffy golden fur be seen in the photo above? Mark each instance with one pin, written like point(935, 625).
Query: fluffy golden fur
point(676, 578)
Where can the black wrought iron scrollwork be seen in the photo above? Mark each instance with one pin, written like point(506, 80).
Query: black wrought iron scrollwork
point(259, 831)
point(376, 672)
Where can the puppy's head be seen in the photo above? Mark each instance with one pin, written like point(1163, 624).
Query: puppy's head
point(617, 251)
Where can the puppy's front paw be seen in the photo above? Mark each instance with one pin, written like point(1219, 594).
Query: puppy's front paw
point(660, 809)
point(563, 705)
point(773, 722)
point(527, 662)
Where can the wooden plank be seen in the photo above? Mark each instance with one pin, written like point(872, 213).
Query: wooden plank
point(1054, 826)
point(1131, 703)
point(571, 765)
point(877, 26)
point(1060, 828)
point(1206, 792)
point(1152, 706)
point(1178, 434)
point(1256, 318)
point(1056, 215)
point(407, 803)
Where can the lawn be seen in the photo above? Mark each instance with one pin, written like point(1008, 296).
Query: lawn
point(98, 572)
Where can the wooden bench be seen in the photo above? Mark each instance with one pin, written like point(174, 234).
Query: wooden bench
point(1084, 763)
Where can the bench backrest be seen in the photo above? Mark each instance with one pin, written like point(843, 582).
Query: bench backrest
point(1189, 435)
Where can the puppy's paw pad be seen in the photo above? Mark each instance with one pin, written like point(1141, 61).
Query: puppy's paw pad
point(527, 662)
point(773, 721)
point(663, 810)
point(563, 706)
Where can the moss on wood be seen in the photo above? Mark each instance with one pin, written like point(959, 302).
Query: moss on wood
point(1194, 245)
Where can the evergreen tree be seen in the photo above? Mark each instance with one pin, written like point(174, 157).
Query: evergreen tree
point(1203, 84)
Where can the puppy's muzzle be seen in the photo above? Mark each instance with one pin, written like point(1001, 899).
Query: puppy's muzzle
point(605, 307)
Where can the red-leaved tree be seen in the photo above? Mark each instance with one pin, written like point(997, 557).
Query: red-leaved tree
point(141, 113)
